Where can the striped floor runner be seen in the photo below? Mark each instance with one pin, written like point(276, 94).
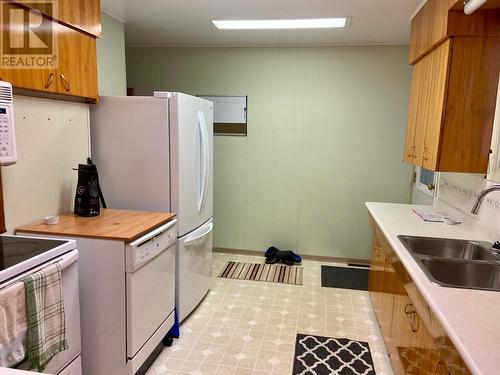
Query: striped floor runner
point(274, 273)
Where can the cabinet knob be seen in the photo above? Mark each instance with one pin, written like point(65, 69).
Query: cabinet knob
point(64, 81)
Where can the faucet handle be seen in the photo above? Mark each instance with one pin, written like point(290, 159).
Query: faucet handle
point(496, 245)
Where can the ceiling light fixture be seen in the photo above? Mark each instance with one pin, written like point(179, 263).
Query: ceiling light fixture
point(311, 23)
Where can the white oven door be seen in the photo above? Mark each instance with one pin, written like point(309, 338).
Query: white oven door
point(150, 298)
point(69, 280)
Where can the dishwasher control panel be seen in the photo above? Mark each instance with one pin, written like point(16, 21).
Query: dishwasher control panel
point(150, 245)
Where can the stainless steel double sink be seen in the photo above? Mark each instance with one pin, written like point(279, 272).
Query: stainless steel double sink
point(456, 263)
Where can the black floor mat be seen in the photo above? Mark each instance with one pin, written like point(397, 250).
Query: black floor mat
point(318, 355)
point(344, 277)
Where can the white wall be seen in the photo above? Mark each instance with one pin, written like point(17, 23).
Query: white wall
point(52, 138)
point(325, 134)
point(460, 190)
point(417, 197)
point(111, 57)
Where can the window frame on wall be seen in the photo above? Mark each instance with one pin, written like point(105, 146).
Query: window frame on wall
point(426, 181)
point(226, 128)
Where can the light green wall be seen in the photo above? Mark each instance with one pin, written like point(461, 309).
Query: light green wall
point(111, 70)
point(325, 133)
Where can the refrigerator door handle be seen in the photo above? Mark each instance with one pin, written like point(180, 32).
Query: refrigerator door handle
point(205, 163)
point(199, 238)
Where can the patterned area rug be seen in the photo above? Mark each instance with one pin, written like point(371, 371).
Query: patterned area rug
point(275, 273)
point(318, 355)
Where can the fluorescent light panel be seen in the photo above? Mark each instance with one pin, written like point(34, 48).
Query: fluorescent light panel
point(311, 23)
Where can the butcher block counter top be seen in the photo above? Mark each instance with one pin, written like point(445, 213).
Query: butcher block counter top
point(111, 224)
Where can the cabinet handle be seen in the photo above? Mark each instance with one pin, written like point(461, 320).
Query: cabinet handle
point(413, 317)
point(413, 148)
point(65, 82)
point(425, 153)
point(409, 309)
point(414, 322)
point(49, 80)
point(440, 368)
point(411, 152)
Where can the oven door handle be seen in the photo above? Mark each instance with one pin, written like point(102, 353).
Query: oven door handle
point(65, 261)
point(194, 240)
point(68, 259)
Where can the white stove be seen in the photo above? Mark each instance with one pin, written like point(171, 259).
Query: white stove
point(21, 256)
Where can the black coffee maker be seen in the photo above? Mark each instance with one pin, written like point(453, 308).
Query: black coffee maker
point(88, 191)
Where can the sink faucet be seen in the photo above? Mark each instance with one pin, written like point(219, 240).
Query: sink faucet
point(481, 196)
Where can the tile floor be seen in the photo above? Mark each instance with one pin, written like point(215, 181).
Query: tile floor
point(249, 327)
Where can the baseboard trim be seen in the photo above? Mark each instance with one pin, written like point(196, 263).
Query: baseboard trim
point(319, 258)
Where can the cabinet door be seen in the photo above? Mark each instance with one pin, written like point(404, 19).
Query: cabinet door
point(387, 303)
point(438, 80)
point(404, 358)
point(376, 276)
point(470, 105)
point(494, 163)
point(84, 15)
point(33, 79)
point(414, 350)
point(428, 27)
point(409, 151)
point(77, 70)
point(422, 110)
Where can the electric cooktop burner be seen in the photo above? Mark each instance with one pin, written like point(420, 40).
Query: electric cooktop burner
point(14, 250)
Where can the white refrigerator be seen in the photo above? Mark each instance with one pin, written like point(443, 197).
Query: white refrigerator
point(156, 154)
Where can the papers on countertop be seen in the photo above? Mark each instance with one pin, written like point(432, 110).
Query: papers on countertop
point(436, 217)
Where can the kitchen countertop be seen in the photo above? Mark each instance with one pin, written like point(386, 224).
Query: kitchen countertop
point(111, 224)
point(471, 318)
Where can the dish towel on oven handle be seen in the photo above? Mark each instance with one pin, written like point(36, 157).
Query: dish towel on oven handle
point(45, 316)
point(12, 325)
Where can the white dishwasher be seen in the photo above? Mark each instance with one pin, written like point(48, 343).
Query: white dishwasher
point(150, 274)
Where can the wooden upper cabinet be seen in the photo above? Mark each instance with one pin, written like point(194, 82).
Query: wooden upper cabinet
point(75, 70)
point(453, 88)
point(452, 106)
point(84, 15)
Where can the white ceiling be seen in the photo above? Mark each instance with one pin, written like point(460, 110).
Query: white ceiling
point(187, 22)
